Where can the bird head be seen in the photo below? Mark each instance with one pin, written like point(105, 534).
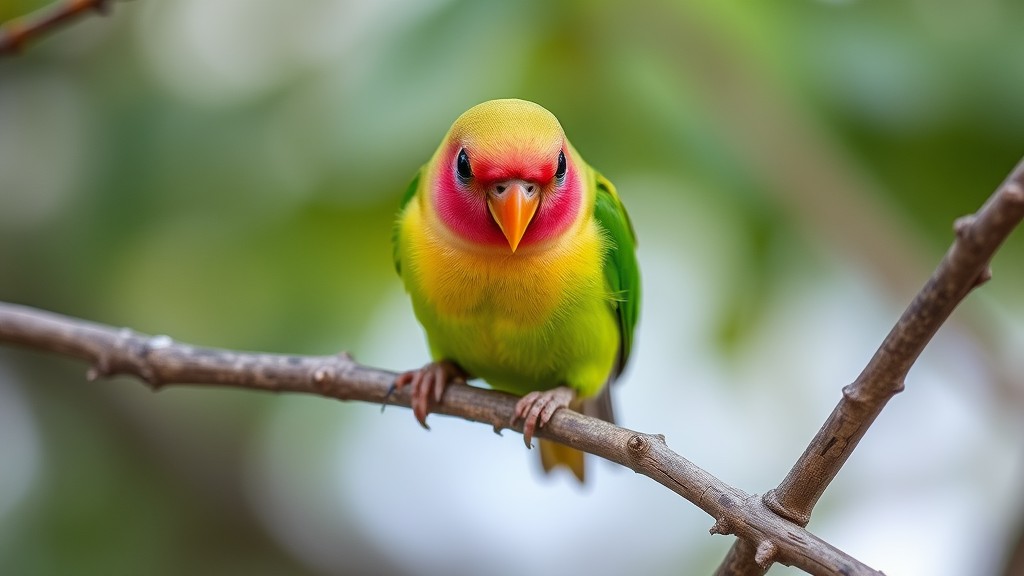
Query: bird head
point(506, 176)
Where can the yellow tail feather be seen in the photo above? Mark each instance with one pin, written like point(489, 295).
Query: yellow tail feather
point(553, 454)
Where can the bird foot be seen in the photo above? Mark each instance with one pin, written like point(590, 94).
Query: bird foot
point(428, 384)
point(536, 409)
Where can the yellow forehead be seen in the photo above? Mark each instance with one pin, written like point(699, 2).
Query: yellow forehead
point(499, 122)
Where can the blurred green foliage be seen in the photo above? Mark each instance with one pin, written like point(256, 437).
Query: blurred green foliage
point(226, 172)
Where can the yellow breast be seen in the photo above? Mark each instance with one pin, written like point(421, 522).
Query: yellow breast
point(458, 279)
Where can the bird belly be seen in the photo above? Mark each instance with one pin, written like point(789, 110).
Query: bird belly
point(521, 322)
point(576, 350)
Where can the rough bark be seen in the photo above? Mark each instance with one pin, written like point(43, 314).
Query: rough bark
point(160, 361)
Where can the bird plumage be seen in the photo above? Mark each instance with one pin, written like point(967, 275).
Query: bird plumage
point(520, 262)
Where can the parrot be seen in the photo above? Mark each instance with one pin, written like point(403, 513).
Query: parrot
point(520, 261)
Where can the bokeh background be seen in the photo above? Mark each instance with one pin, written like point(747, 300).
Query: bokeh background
point(226, 172)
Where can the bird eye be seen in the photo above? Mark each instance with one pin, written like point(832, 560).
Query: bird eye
point(462, 165)
point(560, 171)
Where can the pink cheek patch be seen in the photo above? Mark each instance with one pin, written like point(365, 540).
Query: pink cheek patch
point(557, 211)
point(465, 212)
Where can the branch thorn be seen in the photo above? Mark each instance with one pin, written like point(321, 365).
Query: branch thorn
point(721, 526)
point(984, 276)
point(154, 383)
point(322, 376)
point(1015, 192)
point(99, 369)
point(962, 225)
point(766, 553)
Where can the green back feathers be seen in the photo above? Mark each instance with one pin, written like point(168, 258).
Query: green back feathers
point(620, 267)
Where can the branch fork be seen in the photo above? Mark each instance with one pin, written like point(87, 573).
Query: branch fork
point(964, 267)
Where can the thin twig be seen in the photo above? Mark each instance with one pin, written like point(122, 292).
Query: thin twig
point(14, 35)
point(1015, 552)
point(964, 267)
point(160, 361)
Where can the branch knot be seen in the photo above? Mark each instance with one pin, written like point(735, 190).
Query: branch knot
point(766, 553)
point(962, 226)
point(638, 446)
point(1014, 192)
point(322, 378)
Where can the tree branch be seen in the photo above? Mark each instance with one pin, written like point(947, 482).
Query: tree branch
point(964, 267)
point(18, 32)
point(160, 361)
point(770, 527)
point(1015, 552)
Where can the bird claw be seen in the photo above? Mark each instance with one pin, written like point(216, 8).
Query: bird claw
point(428, 384)
point(536, 409)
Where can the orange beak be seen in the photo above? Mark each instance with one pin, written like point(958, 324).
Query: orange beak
point(512, 204)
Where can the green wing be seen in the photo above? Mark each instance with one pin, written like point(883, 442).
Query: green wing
point(620, 265)
point(396, 230)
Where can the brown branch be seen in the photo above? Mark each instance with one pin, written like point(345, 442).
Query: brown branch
point(761, 523)
point(1015, 552)
point(964, 267)
point(15, 34)
point(160, 361)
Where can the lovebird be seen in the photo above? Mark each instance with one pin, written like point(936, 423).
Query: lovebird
point(520, 261)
